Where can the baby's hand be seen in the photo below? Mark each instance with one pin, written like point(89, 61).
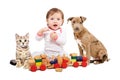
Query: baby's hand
point(54, 36)
point(41, 31)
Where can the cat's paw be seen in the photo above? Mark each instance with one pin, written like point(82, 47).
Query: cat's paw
point(18, 63)
point(26, 65)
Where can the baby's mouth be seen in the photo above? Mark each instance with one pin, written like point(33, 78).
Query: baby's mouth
point(55, 25)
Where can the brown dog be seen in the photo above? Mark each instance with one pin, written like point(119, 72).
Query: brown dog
point(87, 42)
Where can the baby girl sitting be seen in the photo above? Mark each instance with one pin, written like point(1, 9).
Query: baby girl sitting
point(53, 34)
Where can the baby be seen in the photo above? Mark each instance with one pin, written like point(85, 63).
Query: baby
point(53, 34)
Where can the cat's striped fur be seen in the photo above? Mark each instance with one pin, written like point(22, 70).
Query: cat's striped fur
point(22, 50)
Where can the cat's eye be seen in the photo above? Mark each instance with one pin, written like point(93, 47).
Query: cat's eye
point(25, 40)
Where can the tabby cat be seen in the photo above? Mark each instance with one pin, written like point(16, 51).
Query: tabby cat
point(22, 51)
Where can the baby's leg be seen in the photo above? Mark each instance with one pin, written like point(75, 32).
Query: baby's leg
point(37, 53)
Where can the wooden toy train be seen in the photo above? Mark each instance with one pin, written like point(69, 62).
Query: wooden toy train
point(58, 63)
point(42, 62)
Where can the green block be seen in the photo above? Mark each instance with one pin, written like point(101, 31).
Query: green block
point(38, 60)
point(73, 57)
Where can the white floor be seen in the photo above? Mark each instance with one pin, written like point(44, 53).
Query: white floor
point(22, 16)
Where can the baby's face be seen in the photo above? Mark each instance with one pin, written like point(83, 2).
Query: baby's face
point(55, 21)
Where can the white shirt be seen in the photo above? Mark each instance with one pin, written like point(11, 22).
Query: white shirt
point(55, 47)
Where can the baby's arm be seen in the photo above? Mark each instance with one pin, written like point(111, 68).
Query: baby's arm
point(54, 36)
point(40, 33)
point(59, 38)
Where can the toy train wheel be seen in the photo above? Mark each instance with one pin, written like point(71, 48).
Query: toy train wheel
point(75, 64)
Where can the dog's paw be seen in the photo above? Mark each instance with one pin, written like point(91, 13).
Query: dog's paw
point(96, 62)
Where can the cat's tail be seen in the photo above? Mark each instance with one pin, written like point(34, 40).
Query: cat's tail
point(13, 62)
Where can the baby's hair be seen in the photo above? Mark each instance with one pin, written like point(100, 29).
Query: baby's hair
point(54, 10)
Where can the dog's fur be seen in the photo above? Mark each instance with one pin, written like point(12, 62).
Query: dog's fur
point(92, 46)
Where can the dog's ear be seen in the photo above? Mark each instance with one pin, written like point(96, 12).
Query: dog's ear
point(69, 19)
point(82, 19)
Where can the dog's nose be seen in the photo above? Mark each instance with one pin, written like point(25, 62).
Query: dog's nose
point(76, 28)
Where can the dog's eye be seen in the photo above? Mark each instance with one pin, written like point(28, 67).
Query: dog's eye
point(80, 22)
point(20, 41)
point(73, 21)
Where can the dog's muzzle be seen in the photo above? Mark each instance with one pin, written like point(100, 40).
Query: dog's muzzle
point(76, 28)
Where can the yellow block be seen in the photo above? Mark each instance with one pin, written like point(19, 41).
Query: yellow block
point(38, 63)
point(73, 60)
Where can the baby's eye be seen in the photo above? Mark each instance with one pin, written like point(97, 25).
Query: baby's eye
point(58, 18)
point(52, 19)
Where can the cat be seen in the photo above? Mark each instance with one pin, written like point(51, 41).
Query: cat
point(22, 51)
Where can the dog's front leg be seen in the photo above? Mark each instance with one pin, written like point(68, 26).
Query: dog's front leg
point(80, 50)
point(88, 53)
point(80, 47)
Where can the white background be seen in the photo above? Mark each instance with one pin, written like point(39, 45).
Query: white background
point(22, 16)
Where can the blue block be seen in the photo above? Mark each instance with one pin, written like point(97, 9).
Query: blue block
point(53, 61)
point(79, 58)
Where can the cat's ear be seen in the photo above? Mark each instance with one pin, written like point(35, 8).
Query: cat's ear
point(27, 35)
point(16, 35)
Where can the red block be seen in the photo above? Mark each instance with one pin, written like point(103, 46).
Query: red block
point(56, 65)
point(84, 59)
point(64, 65)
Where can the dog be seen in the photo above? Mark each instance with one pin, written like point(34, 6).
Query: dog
point(88, 42)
